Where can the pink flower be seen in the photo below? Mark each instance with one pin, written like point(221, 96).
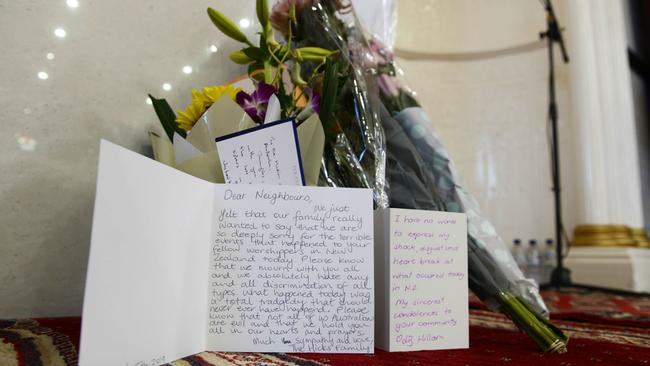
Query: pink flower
point(286, 82)
point(379, 52)
point(389, 85)
point(344, 6)
point(280, 13)
point(370, 55)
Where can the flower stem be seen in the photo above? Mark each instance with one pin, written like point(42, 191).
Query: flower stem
point(548, 337)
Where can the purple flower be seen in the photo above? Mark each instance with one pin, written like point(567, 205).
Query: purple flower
point(313, 104)
point(255, 104)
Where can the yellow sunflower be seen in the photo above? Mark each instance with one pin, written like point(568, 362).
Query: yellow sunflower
point(201, 101)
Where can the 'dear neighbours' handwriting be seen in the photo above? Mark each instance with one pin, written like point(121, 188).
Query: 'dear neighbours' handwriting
point(291, 272)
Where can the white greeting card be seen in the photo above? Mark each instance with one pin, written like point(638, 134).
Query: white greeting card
point(266, 154)
point(421, 280)
point(179, 265)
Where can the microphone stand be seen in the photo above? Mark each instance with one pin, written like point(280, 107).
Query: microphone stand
point(561, 276)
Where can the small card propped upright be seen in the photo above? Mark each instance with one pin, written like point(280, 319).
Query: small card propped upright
point(421, 280)
point(266, 154)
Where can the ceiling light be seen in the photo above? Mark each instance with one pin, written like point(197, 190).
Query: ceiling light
point(244, 23)
point(60, 32)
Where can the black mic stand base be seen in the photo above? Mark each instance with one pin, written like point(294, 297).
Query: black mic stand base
point(561, 277)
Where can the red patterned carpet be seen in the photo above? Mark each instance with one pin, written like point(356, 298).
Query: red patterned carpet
point(604, 330)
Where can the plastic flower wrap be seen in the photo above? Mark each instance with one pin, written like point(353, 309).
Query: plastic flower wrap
point(355, 150)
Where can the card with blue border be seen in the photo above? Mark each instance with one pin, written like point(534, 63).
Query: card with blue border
point(266, 154)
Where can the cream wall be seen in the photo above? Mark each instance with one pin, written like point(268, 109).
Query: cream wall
point(114, 53)
point(491, 109)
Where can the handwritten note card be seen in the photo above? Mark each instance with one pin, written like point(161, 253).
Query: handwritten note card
point(222, 267)
point(267, 154)
point(421, 279)
point(291, 270)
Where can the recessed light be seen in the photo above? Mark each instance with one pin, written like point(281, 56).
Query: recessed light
point(43, 75)
point(60, 32)
point(244, 23)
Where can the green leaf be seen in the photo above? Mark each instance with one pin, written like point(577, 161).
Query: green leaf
point(239, 57)
point(255, 66)
point(280, 52)
point(330, 91)
point(263, 40)
point(295, 75)
point(167, 117)
point(255, 53)
point(315, 54)
point(226, 26)
point(268, 72)
point(286, 101)
point(263, 14)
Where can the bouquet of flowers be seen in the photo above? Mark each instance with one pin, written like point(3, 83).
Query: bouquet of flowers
point(418, 162)
point(358, 126)
point(307, 77)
